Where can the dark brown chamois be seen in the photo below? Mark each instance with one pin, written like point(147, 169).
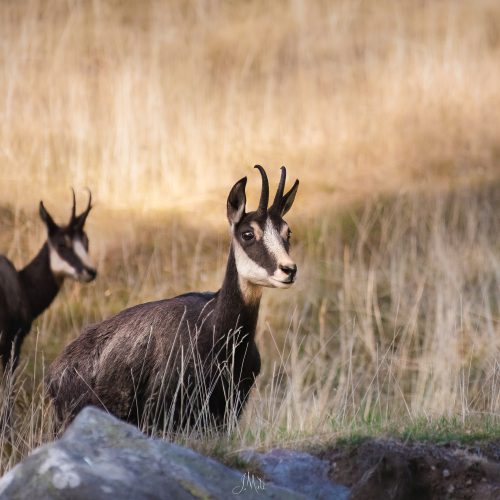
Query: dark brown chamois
point(192, 359)
point(25, 294)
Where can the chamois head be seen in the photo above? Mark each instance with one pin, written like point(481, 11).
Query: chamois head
point(69, 245)
point(261, 239)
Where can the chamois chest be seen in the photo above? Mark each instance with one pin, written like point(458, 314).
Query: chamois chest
point(14, 310)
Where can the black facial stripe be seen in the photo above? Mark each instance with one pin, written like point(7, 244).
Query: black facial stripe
point(256, 249)
point(71, 258)
point(85, 241)
point(60, 240)
point(259, 254)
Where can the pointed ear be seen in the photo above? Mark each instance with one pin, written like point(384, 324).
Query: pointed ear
point(236, 202)
point(288, 199)
point(47, 219)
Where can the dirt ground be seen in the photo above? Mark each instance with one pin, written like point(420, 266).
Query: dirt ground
point(389, 469)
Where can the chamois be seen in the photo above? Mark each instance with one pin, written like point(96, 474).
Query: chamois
point(26, 293)
point(170, 363)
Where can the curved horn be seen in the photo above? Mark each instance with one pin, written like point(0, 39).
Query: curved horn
point(73, 210)
point(80, 219)
point(264, 195)
point(281, 188)
point(89, 204)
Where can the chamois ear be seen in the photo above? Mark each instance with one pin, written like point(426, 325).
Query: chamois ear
point(236, 202)
point(47, 219)
point(289, 198)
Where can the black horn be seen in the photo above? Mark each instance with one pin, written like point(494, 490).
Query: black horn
point(79, 221)
point(73, 209)
point(264, 195)
point(89, 204)
point(279, 193)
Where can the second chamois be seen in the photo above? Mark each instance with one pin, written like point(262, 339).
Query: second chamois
point(26, 293)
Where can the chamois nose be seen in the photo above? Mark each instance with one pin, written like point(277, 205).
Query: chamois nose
point(92, 273)
point(289, 270)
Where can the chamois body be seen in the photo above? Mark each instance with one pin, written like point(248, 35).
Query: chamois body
point(190, 360)
point(26, 293)
point(134, 364)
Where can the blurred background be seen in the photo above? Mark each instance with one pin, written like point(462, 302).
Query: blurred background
point(387, 112)
point(151, 102)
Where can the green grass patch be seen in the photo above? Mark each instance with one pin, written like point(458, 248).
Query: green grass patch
point(440, 430)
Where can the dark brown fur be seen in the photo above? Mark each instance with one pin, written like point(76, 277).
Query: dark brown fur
point(132, 364)
point(191, 359)
point(25, 294)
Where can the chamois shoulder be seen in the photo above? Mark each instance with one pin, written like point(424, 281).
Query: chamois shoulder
point(191, 303)
point(152, 316)
point(197, 295)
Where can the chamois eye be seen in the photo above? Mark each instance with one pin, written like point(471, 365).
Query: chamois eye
point(247, 235)
point(289, 234)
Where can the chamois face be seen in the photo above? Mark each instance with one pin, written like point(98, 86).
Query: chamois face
point(261, 239)
point(69, 246)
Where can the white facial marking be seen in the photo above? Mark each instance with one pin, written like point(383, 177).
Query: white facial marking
point(80, 251)
point(249, 269)
point(275, 246)
point(251, 274)
point(273, 241)
point(59, 266)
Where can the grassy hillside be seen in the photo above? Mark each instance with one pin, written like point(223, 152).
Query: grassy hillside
point(393, 323)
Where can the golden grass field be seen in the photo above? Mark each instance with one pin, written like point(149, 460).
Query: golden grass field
point(386, 111)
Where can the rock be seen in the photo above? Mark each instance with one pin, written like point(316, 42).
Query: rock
point(100, 457)
point(300, 472)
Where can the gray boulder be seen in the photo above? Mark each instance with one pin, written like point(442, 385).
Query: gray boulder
point(300, 472)
point(100, 457)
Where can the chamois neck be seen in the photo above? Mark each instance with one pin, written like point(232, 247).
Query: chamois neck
point(237, 302)
point(39, 283)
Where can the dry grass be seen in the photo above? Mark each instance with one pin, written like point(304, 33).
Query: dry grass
point(395, 318)
point(152, 102)
point(163, 105)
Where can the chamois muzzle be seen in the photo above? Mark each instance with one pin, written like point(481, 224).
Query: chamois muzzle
point(290, 271)
point(87, 275)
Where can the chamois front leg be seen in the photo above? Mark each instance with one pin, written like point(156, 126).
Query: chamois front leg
point(10, 353)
